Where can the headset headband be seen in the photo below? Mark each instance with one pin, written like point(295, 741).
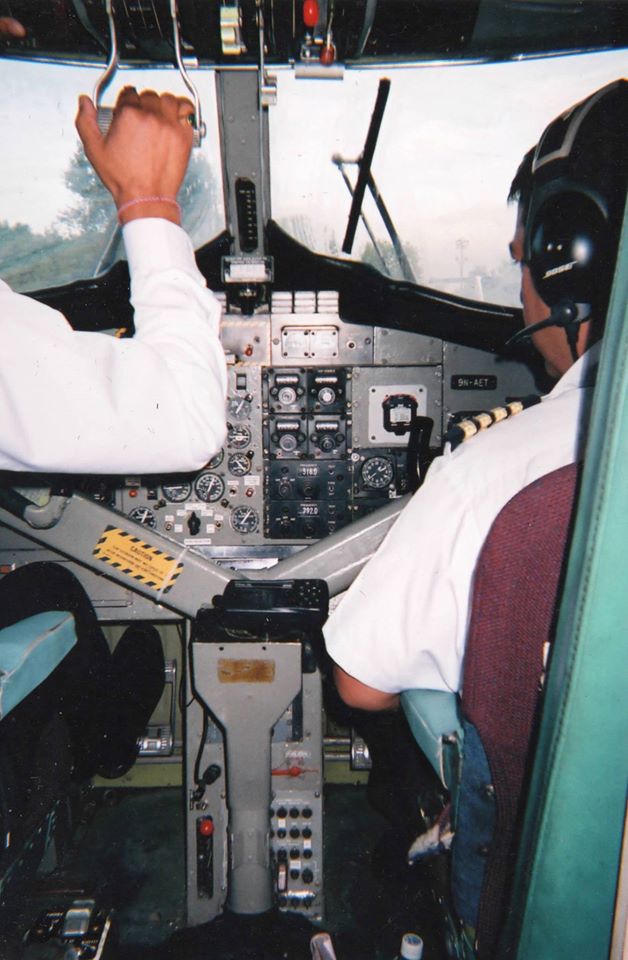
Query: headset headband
point(558, 138)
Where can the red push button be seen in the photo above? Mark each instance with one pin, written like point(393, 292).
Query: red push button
point(205, 826)
point(310, 13)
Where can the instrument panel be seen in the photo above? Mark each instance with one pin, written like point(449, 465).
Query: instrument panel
point(305, 451)
point(320, 415)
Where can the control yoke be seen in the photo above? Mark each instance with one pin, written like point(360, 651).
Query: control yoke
point(105, 114)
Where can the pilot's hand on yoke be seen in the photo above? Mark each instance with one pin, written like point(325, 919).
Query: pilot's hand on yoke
point(143, 158)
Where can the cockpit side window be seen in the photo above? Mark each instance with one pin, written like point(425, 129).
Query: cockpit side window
point(450, 142)
point(57, 221)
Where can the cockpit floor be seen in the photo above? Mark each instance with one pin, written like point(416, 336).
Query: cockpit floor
point(129, 855)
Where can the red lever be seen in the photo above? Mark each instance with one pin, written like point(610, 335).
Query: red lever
point(328, 54)
point(293, 771)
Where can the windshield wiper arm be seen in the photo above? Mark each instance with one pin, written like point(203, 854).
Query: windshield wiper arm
point(365, 164)
point(341, 164)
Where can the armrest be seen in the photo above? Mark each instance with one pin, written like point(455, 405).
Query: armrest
point(435, 724)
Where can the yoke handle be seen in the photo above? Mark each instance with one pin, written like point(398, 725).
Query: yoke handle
point(105, 114)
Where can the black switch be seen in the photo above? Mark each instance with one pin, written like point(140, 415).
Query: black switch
point(194, 524)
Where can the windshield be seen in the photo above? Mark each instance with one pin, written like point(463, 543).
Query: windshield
point(57, 221)
point(450, 142)
point(451, 139)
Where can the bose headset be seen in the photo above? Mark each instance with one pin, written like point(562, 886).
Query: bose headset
point(573, 219)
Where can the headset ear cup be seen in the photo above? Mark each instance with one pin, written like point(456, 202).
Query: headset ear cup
point(567, 242)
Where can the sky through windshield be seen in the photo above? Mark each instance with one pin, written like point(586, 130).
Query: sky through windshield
point(451, 140)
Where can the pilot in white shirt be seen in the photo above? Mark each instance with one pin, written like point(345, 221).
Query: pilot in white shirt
point(77, 402)
point(403, 623)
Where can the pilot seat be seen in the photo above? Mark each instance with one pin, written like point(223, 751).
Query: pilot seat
point(481, 743)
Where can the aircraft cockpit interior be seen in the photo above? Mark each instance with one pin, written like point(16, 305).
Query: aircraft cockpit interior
point(346, 197)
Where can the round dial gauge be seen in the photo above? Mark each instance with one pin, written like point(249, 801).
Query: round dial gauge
point(287, 396)
point(239, 408)
point(216, 460)
point(288, 442)
point(377, 473)
point(209, 487)
point(143, 515)
point(177, 492)
point(244, 519)
point(239, 464)
point(326, 395)
point(239, 437)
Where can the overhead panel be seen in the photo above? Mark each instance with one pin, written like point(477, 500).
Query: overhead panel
point(227, 34)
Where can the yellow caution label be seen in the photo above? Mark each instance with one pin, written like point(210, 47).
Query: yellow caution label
point(138, 560)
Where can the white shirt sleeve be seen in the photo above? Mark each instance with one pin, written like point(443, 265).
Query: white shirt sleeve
point(403, 621)
point(77, 402)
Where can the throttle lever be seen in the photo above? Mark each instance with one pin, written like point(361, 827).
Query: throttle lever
point(104, 115)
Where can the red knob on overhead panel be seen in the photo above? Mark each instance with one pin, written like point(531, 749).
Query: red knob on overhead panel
point(206, 826)
point(310, 13)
